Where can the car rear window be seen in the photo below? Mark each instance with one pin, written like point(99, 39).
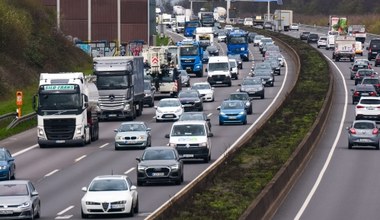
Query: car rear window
point(375, 44)
point(370, 101)
point(364, 125)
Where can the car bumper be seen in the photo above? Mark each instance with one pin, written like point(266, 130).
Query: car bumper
point(60, 142)
point(131, 144)
point(193, 152)
point(219, 80)
point(364, 141)
point(113, 208)
point(166, 176)
point(167, 117)
point(15, 213)
point(254, 93)
point(236, 119)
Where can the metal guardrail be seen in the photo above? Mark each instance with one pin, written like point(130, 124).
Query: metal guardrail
point(18, 120)
point(8, 115)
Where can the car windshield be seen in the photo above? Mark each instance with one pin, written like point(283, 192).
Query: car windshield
point(193, 94)
point(239, 96)
point(232, 64)
point(232, 105)
point(357, 67)
point(147, 85)
point(13, 190)
point(108, 185)
point(251, 82)
point(188, 130)
point(2, 155)
point(201, 86)
point(364, 125)
point(262, 73)
point(169, 103)
point(132, 127)
point(159, 155)
point(218, 67)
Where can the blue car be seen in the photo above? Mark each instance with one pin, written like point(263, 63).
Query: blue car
point(232, 112)
point(7, 165)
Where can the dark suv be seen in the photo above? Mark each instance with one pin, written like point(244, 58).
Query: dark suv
point(312, 38)
point(304, 35)
point(191, 100)
point(373, 48)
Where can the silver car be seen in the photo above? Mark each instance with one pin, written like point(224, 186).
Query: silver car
point(133, 134)
point(19, 200)
point(363, 133)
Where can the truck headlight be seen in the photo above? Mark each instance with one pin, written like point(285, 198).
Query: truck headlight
point(204, 144)
point(79, 130)
point(41, 131)
point(127, 107)
point(242, 49)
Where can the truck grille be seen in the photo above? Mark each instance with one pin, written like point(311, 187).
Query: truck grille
point(188, 61)
point(218, 77)
point(59, 129)
point(111, 102)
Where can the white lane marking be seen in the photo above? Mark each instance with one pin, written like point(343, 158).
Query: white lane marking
point(130, 170)
point(104, 145)
point(209, 115)
point(65, 210)
point(51, 173)
point(328, 159)
point(25, 150)
point(64, 217)
point(80, 158)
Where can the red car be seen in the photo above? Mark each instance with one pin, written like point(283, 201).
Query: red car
point(377, 60)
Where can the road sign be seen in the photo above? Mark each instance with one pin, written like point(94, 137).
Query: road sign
point(154, 60)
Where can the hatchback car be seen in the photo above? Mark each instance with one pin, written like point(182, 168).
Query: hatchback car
point(168, 109)
point(185, 78)
point(213, 50)
point(205, 89)
point(362, 90)
point(149, 92)
point(257, 39)
point(253, 86)
point(19, 199)
point(368, 108)
point(243, 96)
point(304, 35)
point(322, 41)
point(110, 195)
point(232, 112)
point(191, 100)
point(294, 27)
point(375, 81)
point(159, 164)
point(363, 133)
point(7, 165)
point(195, 116)
point(133, 134)
point(357, 66)
point(312, 38)
point(361, 73)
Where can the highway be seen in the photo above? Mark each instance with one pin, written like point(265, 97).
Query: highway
point(337, 183)
point(59, 173)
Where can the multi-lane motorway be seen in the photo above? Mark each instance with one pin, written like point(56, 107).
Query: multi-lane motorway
point(337, 183)
point(59, 173)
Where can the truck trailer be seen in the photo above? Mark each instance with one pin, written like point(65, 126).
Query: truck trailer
point(67, 110)
point(120, 81)
point(283, 19)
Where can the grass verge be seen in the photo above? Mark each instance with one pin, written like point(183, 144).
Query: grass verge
point(239, 182)
point(162, 41)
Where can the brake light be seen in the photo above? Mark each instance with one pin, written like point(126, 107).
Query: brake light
point(375, 131)
point(357, 75)
point(352, 131)
point(372, 93)
point(356, 93)
point(359, 106)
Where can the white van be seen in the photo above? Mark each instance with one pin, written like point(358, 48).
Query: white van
point(191, 139)
point(219, 70)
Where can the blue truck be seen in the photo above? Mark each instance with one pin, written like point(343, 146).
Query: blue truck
point(190, 56)
point(237, 43)
point(190, 27)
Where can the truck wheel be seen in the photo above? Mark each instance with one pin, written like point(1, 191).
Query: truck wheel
point(200, 74)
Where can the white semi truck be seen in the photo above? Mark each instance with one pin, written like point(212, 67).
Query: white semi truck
point(120, 81)
point(67, 109)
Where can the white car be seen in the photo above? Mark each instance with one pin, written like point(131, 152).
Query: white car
point(294, 27)
point(234, 68)
point(205, 89)
point(110, 194)
point(257, 39)
point(322, 41)
point(368, 107)
point(248, 22)
point(228, 27)
point(168, 109)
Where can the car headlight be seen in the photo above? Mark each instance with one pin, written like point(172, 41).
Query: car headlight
point(118, 138)
point(204, 144)
point(174, 167)
point(141, 137)
point(271, 79)
point(222, 113)
point(242, 113)
point(4, 167)
point(120, 202)
point(172, 145)
point(247, 103)
point(141, 168)
point(92, 203)
point(24, 205)
point(158, 111)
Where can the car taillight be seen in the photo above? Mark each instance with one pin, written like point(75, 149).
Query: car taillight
point(372, 94)
point(359, 106)
point(357, 75)
point(375, 131)
point(352, 131)
point(356, 93)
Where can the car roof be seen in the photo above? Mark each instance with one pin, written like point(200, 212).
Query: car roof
point(132, 122)
point(159, 148)
point(14, 182)
point(110, 177)
point(194, 122)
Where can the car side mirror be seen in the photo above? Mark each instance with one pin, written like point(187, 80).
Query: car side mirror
point(167, 136)
point(207, 119)
point(34, 193)
point(210, 135)
point(133, 187)
point(138, 159)
point(218, 108)
point(115, 130)
point(148, 129)
point(84, 189)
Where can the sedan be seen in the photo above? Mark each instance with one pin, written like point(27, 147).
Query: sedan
point(363, 133)
point(185, 78)
point(19, 200)
point(159, 164)
point(213, 50)
point(253, 86)
point(191, 100)
point(205, 89)
point(190, 116)
point(7, 165)
point(312, 38)
point(361, 73)
point(108, 195)
point(304, 35)
point(168, 109)
point(362, 90)
point(133, 134)
point(243, 96)
point(266, 76)
point(232, 112)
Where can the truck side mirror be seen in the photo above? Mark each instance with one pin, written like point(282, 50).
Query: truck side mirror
point(206, 70)
point(35, 98)
point(85, 98)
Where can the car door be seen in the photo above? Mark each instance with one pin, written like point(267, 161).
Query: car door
point(11, 161)
point(34, 198)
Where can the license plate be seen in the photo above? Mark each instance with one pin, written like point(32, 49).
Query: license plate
point(158, 174)
point(219, 82)
point(60, 141)
point(370, 108)
point(112, 115)
point(168, 116)
point(364, 93)
point(232, 117)
point(364, 140)
point(6, 212)
point(188, 155)
point(374, 52)
point(130, 142)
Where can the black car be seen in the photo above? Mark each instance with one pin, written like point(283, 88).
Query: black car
point(149, 92)
point(191, 100)
point(213, 50)
point(304, 35)
point(243, 96)
point(361, 73)
point(312, 38)
point(362, 90)
point(205, 57)
point(266, 76)
point(253, 86)
point(375, 81)
point(159, 164)
point(190, 116)
point(377, 60)
point(251, 36)
point(373, 48)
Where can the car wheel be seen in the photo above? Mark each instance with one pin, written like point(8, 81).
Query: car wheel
point(378, 146)
point(38, 214)
point(245, 122)
point(182, 179)
point(229, 84)
point(262, 96)
point(157, 120)
point(207, 159)
point(140, 183)
point(32, 213)
point(131, 213)
point(349, 145)
point(250, 111)
point(136, 209)
point(83, 215)
point(43, 145)
point(9, 175)
point(178, 181)
point(14, 174)
point(116, 147)
point(220, 123)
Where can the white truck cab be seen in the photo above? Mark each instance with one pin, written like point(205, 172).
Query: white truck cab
point(191, 139)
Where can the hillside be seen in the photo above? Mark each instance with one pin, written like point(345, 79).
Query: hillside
point(30, 44)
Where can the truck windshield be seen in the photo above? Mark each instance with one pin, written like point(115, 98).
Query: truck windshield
point(189, 51)
point(237, 40)
point(192, 24)
point(59, 101)
point(110, 82)
point(217, 67)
